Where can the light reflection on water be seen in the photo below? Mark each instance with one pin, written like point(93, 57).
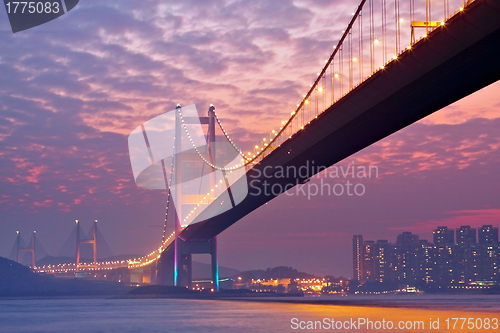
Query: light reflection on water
point(176, 315)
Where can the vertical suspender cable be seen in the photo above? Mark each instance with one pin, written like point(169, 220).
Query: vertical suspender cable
point(360, 47)
point(399, 29)
point(324, 92)
point(332, 71)
point(372, 38)
point(341, 69)
point(396, 26)
point(385, 32)
point(350, 60)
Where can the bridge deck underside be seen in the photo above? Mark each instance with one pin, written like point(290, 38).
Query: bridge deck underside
point(453, 62)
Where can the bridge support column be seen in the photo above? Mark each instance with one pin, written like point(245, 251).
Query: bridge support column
point(178, 213)
point(176, 262)
point(215, 266)
point(180, 273)
point(183, 264)
point(177, 259)
point(29, 249)
point(18, 242)
point(166, 267)
point(189, 271)
point(80, 241)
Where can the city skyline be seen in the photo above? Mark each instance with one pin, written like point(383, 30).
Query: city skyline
point(68, 104)
point(448, 260)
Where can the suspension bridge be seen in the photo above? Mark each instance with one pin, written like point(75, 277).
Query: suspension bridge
point(395, 63)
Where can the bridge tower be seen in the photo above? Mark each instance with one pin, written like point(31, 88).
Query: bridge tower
point(80, 241)
point(213, 241)
point(30, 249)
point(181, 260)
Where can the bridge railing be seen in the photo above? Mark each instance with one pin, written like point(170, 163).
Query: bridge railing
point(83, 267)
point(107, 265)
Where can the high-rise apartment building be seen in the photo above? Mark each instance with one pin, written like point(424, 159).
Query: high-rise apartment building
point(466, 236)
point(358, 257)
point(443, 237)
point(488, 235)
point(383, 261)
point(369, 260)
point(406, 266)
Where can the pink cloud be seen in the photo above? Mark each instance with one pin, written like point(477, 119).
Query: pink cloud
point(456, 219)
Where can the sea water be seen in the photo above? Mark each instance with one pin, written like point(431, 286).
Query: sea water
point(264, 315)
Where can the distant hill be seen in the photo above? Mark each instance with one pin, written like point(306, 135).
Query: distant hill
point(273, 273)
point(18, 280)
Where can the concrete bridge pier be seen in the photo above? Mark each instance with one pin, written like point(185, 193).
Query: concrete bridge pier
point(180, 272)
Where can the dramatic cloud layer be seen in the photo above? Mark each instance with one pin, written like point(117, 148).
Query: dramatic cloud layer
point(73, 89)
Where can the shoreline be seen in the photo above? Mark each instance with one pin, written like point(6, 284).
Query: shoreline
point(441, 304)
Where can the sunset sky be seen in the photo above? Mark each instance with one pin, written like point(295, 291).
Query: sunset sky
point(73, 89)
